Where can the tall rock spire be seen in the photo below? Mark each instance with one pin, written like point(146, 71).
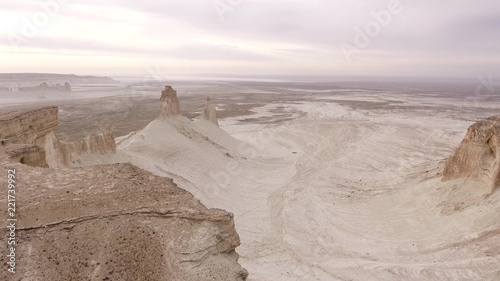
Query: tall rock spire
point(169, 103)
point(210, 113)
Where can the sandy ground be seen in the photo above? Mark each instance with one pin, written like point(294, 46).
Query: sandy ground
point(325, 184)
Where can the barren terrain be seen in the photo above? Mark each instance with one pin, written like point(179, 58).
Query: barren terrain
point(326, 181)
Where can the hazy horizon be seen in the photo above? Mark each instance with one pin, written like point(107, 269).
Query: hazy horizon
point(390, 38)
point(213, 77)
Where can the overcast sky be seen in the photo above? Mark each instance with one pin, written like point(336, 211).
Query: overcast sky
point(446, 38)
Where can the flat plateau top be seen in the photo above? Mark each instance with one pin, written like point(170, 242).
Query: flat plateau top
point(28, 110)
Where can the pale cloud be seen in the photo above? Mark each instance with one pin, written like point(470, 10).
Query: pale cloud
point(428, 38)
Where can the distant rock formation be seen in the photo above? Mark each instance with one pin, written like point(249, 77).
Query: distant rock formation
point(56, 78)
point(169, 103)
point(46, 87)
point(116, 222)
point(67, 87)
point(35, 130)
point(478, 156)
point(209, 113)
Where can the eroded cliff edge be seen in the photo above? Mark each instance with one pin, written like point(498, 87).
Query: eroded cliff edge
point(116, 222)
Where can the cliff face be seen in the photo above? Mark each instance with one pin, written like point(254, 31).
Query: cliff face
point(209, 112)
point(117, 222)
point(99, 143)
point(34, 131)
point(169, 103)
point(478, 156)
point(29, 127)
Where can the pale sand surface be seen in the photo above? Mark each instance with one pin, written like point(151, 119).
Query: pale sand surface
point(326, 186)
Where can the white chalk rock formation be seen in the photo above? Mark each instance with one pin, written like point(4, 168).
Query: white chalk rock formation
point(169, 103)
point(209, 113)
point(174, 144)
point(478, 156)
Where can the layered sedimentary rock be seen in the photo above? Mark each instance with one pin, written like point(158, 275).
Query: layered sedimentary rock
point(169, 103)
point(102, 142)
point(34, 131)
point(478, 156)
point(32, 155)
point(116, 222)
point(209, 112)
point(28, 127)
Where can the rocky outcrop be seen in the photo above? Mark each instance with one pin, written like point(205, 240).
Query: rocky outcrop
point(116, 222)
point(34, 131)
point(478, 156)
point(169, 103)
point(209, 112)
